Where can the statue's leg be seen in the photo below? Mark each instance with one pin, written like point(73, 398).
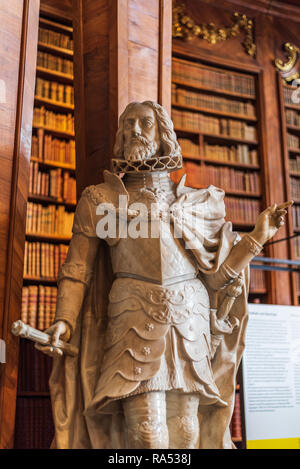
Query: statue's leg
point(183, 421)
point(145, 420)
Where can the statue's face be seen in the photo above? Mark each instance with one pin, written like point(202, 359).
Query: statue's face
point(141, 133)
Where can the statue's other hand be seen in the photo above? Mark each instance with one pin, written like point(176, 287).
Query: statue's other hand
point(58, 331)
point(269, 221)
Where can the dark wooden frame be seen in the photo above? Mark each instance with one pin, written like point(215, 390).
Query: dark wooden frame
point(18, 200)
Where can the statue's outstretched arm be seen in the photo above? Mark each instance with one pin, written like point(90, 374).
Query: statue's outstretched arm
point(268, 223)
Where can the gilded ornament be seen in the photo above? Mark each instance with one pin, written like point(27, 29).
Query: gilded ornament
point(288, 69)
point(184, 27)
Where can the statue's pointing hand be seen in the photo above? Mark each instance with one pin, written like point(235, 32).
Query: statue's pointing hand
point(269, 221)
point(58, 331)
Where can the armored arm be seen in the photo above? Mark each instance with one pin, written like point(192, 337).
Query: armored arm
point(268, 223)
point(239, 257)
point(75, 273)
point(74, 277)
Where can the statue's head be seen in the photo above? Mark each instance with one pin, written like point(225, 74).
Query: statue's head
point(145, 130)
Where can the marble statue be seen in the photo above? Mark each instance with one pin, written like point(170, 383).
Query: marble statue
point(153, 293)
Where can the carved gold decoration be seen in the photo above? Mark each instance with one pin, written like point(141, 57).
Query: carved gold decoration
point(185, 27)
point(288, 69)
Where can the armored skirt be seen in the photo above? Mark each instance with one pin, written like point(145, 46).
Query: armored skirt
point(158, 339)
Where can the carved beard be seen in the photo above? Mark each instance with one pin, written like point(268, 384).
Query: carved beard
point(139, 148)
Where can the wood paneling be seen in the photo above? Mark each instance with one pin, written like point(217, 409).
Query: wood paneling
point(143, 51)
point(91, 70)
point(120, 56)
point(165, 53)
point(118, 65)
point(18, 56)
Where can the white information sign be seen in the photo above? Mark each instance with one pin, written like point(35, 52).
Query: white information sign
point(271, 377)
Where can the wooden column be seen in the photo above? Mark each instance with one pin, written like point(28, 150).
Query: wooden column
point(18, 45)
point(122, 54)
point(279, 288)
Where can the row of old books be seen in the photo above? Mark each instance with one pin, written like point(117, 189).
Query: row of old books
point(68, 192)
point(236, 421)
point(34, 369)
point(34, 423)
point(227, 178)
point(54, 38)
point(58, 92)
point(297, 248)
point(49, 220)
point(294, 164)
point(292, 141)
point(295, 187)
point(54, 62)
point(216, 79)
point(242, 210)
point(238, 210)
point(291, 96)
point(197, 122)
point(292, 117)
point(53, 120)
point(56, 183)
point(296, 215)
point(257, 280)
point(211, 102)
point(38, 306)
point(189, 147)
point(47, 148)
point(235, 154)
point(43, 260)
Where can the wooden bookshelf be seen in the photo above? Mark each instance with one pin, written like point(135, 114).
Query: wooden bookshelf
point(50, 200)
point(294, 150)
point(39, 247)
point(233, 164)
point(39, 280)
point(192, 96)
point(48, 237)
point(55, 25)
point(53, 164)
point(215, 112)
point(55, 50)
point(218, 137)
point(290, 156)
point(242, 224)
point(55, 132)
point(293, 127)
point(53, 105)
point(54, 75)
point(208, 89)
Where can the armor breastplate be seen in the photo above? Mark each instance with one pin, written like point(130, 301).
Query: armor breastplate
point(162, 259)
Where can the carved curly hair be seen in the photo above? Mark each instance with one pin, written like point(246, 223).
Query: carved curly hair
point(169, 144)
